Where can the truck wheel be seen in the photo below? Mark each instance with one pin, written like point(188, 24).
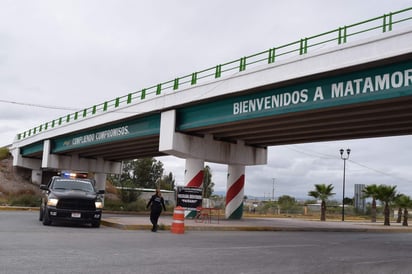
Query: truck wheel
point(41, 214)
point(96, 224)
point(46, 218)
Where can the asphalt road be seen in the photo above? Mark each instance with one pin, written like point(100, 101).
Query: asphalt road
point(26, 246)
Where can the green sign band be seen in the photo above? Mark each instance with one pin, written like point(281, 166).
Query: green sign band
point(140, 127)
point(352, 88)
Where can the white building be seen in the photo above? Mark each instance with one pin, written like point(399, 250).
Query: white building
point(359, 201)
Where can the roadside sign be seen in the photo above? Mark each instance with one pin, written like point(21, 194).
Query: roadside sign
point(189, 197)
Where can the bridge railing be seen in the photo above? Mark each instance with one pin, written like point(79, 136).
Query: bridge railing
point(338, 36)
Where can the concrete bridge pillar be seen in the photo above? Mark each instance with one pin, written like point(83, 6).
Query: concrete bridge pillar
point(235, 192)
point(36, 176)
point(200, 149)
point(194, 170)
point(100, 180)
point(99, 174)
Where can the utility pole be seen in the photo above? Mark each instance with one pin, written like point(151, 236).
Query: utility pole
point(273, 189)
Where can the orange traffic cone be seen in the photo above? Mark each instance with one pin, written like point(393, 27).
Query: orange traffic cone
point(178, 225)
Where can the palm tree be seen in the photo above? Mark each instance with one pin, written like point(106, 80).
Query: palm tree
point(371, 191)
point(404, 202)
point(387, 195)
point(398, 203)
point(322, 192)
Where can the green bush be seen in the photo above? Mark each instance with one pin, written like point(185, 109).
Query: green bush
point(4, 153)
point(138, 205)
point(129, 196)
point(116, 205)
point(25, 200)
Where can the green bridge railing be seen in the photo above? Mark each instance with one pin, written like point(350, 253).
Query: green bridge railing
point(334, 37)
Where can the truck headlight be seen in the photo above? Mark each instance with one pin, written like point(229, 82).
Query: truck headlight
point(98, 204)
point(52, 202)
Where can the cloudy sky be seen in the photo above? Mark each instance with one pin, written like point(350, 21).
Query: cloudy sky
point(61, 56)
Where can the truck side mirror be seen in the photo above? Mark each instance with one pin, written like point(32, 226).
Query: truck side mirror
point(44, 187)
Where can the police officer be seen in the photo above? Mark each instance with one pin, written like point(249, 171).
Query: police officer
point(157, 203)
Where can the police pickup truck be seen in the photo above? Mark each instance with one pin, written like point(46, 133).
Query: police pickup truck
point(68, 198)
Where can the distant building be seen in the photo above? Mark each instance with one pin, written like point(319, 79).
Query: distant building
point(359, 201)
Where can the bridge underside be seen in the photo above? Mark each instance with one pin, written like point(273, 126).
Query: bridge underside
point(380, 118)
point(117, 151)
point(375, 119)
point(130, 149)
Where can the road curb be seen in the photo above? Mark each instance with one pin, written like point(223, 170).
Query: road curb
point(257, 228)
point(225, 227)
point(19, 208)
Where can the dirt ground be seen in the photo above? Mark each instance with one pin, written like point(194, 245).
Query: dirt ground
point(15, 181)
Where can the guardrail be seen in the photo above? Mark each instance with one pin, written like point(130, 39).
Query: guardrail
point(338, 36)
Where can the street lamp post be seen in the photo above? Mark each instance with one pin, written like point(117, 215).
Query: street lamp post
point(344, 158)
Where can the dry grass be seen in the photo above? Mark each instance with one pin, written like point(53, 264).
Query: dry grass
point(110, 188)
point(310, 216)
point(4, 153)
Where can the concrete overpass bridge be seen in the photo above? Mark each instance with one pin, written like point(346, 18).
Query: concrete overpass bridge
point(352, 82)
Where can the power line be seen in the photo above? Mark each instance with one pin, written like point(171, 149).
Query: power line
point(36, 105)
point(58, 107)
point(380, 172)
point(53, 107)
point(313, 153)
point(328, 156)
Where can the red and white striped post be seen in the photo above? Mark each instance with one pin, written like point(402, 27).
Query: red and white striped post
point(194, 172)
point(235, 192)
point(194, 177)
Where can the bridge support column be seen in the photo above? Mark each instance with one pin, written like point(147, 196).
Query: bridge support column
point(100, 180)
point(235, 192)
point(194, 170)
point(19, 160)
point(206, 147)
point(235, 154)
point(36, 176)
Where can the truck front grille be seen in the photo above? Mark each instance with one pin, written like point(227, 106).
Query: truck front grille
point(79, 204)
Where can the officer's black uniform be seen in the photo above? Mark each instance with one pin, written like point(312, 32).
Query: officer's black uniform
point(156, 202)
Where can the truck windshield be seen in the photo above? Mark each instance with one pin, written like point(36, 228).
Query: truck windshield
point(66, 184)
